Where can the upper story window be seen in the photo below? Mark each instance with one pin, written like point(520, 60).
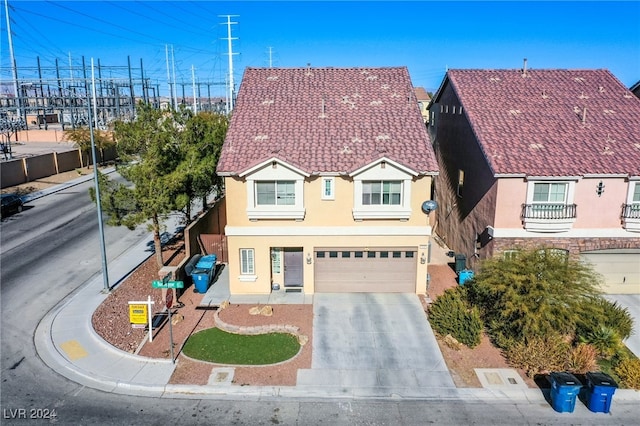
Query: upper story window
point(381, 192)
point(631, 209)
point(328, 188)
point(635, 199)
point(550, 193)
point(549, 206)
point(275, 193)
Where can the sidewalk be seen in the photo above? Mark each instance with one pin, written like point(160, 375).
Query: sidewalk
point(67, 343)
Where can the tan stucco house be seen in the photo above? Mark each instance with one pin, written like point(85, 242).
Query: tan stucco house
point(325, 172)
point(540, 157)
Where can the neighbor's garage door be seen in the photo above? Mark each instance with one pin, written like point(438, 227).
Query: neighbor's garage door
point(620, 269)
point(377, 270)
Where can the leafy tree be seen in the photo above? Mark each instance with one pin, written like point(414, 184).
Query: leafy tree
point(150, 149)
point(202, 140)
point(82, 138)
point(534, 294)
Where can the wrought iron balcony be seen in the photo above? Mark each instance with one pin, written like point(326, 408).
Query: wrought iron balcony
point(631, 211)
point(548, 211)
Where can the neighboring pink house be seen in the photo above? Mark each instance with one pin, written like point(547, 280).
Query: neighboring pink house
point(540, 157)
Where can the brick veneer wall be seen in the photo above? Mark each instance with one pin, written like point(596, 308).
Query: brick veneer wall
point(574, 245)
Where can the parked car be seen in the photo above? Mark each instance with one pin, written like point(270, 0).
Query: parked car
point(11, 203)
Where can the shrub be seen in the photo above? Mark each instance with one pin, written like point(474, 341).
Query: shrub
point(628, 370)
point(450, 314)
point(605, 339)
point(598, 311)
point(538, 354)
point(582, 359)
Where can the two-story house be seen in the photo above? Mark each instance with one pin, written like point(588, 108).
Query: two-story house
point(325, 172)
point(540, 157)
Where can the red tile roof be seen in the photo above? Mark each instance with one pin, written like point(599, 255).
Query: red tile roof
point(551, 122)
point(326, 120)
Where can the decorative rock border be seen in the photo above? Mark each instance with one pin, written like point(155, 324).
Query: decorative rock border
point(259, 329)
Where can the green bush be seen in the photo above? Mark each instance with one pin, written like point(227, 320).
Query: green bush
point(598, 311)
point(538, 354)
point(605, 339)
point(451, 314)
point(628, 370)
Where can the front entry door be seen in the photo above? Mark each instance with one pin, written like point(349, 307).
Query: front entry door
point(293, 264)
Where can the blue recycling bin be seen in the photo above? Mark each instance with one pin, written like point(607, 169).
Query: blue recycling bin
point(202, 273)
point(600, 390)
point(464, 276)
point(206, 262)
point(200, 279)
point(565, 388)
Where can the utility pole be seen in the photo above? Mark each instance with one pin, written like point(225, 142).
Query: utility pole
point(175, 89)
point(230, 47)
point(193, 84)
point(166, 51)
point(14, 69)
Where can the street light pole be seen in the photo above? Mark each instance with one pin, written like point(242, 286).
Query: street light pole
point(105, 273)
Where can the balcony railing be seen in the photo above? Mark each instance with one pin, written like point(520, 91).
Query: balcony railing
point(548, 211)
point(631, 211)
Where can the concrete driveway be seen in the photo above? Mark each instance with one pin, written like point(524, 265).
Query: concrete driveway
point(378, 343)
point(632, 303)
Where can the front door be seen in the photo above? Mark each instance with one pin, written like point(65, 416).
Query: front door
point(293, 265)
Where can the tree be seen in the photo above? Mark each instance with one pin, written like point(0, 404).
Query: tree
point(202, 141)
point(82, 138)
point(150, 149)
point(536, 293)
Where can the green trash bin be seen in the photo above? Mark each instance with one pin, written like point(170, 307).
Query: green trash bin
point(461, 263)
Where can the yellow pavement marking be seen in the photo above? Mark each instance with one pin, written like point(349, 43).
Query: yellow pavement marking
point(74, 349)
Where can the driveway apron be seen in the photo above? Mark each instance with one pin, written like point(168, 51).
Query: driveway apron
point(370, 340)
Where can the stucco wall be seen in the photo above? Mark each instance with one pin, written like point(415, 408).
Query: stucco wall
point(319, 212)
point(263, 244)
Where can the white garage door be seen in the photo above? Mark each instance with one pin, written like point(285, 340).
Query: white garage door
point(359, 270)
point(620, 269)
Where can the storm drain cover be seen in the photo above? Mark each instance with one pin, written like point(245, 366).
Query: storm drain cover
point(500, 378)
point(223, 375)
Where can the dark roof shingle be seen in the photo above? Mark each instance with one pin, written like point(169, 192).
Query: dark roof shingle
point(326, 120)
point(552, 122)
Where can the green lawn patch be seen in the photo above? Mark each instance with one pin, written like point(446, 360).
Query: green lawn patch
point(215, 345)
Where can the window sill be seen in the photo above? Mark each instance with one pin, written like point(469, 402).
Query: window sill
point(276, 214)
point(401, 214)
point(548, 225)
point(631, 225)
point(247, 278)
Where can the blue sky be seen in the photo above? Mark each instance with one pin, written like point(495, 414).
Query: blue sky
point(426, 36)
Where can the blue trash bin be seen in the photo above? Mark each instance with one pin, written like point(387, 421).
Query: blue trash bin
point(200, 279)
point(206, 262)
point(600, 390)
point(464, 276)
point(564, 391)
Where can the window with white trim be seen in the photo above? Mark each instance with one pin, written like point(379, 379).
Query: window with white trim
point(387, 193)
point(275, 193)
point(635, 198)
point(247, 262)
point(328, 188)
point(549, 196)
